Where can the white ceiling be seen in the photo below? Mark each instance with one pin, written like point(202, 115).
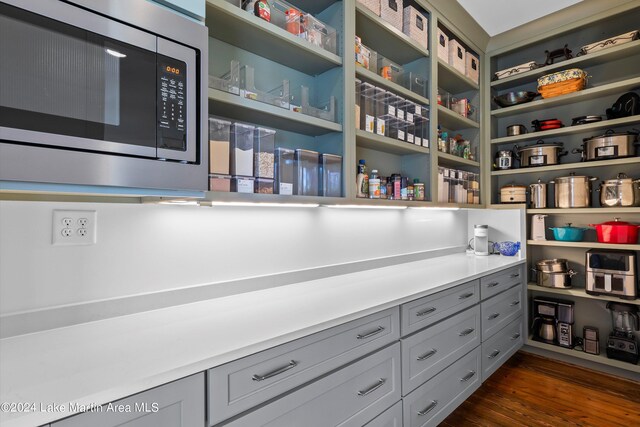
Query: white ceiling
point(498, 16)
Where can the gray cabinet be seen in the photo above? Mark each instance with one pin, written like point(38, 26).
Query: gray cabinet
point(177, 404)
point(431, 350)
point(498, 282)
point(426, 311)
point(430, 403)
point(497, 349)
point(499, 311)
point(351, 396)
point(392, 417)
point(245, 383)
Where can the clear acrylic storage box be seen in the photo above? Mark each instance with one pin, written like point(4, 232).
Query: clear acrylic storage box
point(389, 70)
point(415, 82)
point(228, 81)
point(278, 95)
point(303, 25)
point(320, 34)
point(263, 151)
point(306, 170)
point(221, 183)
point(301, 102)
point(242, 184)
point(444, 98)
point(263, 186)
point(242, 149)
point(331, 175)
point(368, 107)
point(219, 145)
point(284, 168)
point(358, 102)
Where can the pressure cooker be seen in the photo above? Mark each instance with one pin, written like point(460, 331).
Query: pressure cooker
point(540, 154)
point(572, 191)
point(611, 145)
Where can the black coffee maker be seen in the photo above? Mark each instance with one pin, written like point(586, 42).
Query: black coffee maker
point(545, 313)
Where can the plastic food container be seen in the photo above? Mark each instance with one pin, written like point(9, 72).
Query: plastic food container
point(358, 101)
point(229, 81)
point(331, 175)
point(306, 172)
point(219, 145)
point(220, 183)
point(283, 171)
point(389, 70)
point(301, 101)
point(263, 152)
point(242, 149)
point(263, 186)
point(368, 107)
point(242, 184)
point(277, 95)
point(415, 82)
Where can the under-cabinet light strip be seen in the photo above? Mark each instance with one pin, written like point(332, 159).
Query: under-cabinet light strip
point(263, 204)
point(364, 207)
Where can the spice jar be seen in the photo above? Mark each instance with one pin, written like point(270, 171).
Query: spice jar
point(418, 190)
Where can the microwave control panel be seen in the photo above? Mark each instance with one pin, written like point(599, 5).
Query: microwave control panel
point(172, 101)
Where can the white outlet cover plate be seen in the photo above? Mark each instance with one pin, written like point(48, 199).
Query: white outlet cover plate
point(67, 235)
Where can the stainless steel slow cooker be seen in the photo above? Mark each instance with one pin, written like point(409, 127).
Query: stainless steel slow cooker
point(572, 191)
point(620, 192)
point(608, 146)
point(540, 154)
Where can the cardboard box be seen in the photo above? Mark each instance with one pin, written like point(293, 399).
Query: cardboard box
point(472, 69)
point(416, 26)
point(457, 56)
point(443, 46)
point(391, 11)
point(373, 5)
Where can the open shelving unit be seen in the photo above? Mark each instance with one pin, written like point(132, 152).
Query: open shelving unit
point(612, 72)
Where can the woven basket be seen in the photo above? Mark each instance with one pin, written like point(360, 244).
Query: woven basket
point(562, 88)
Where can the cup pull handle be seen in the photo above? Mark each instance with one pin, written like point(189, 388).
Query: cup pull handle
point(427, 354)
point(494, 354)
point(370, 334)
point(429, 408)
point(425, 312)
point(468, 376)
point(466, 332)
point(373, 388)
point(493, 316)
point(465, 296)
point(292, 364)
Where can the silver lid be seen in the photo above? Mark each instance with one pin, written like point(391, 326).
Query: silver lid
point(480, 226)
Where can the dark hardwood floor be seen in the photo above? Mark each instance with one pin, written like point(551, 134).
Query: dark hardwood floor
point(530, 390)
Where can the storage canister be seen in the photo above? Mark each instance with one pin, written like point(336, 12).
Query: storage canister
point(263, 186)
point(283, 171)
point(368, 107)
point(572, 191)
point(305, 174)
point(220, 183)
point(242, 149)
point(331, 175)
point(219, 144)
point(263, 151)
point(242, 184)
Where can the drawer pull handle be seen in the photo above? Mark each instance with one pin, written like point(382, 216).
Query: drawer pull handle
point(468, 376)
point(514, 275)
point(493, 284)
point(429, 408)
point(515, 336)
point(465, 296)
point(494, 354)
point(292, 364)
point(493, 316)
point(514, 303)
point(466, 332)
point(425, 312)
point(370, 334)
point(427, 354)
point(373, 388)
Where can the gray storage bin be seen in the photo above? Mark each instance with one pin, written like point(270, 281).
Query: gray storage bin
point(305, 175)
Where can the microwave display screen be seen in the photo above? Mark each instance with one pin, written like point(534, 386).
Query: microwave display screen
point(609, 261)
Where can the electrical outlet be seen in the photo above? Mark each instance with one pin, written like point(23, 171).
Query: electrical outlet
point(74, 227)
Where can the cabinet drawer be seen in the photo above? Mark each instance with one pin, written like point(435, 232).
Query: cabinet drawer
point(497, 349)
point(177, 404)
point(245, 383)
point(426, 311)
point(500, 281)
point(351, 396)
point(430, 403)
point(433, 349)
point(392, 417)
point(499, 311)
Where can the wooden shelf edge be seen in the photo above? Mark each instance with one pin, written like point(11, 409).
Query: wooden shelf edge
point(583, 245)
point(568, 166)
point(464, 122)
point(578, 293)
point(584, 211)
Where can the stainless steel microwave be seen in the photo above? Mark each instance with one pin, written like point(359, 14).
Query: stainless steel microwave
point(102, 93)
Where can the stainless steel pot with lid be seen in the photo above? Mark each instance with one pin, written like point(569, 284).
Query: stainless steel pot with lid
point(538, 195)
point(554, 273)
point(620, 192)
point(572, 191)
point(540, 154)
point(555, 265)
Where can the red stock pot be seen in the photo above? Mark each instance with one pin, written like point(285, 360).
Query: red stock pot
point(617, 231)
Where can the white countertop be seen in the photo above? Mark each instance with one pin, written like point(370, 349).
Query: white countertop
point(99, 362)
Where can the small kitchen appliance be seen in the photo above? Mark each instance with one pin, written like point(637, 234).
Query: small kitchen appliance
point(612, 272)
point(537, 227)
point(565, 323)
point(622, 344)
point(481, 239)
point(504, 159)
point(590, 340)
point(544, 321)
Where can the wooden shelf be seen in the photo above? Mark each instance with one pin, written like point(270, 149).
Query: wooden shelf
point(233, 25)
point(596, 58)
point(598, 358)
point(569, 166)
point(589, 245)
point(233, 106)
point(578, 293)
point(569, 130)
point(450, 159)
point(372, 77)
point(388, 145)
point(585, 211)
point(507, 206)
point(452, 80)
point(385, 38)
point(571, 98)
point(454, 121)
